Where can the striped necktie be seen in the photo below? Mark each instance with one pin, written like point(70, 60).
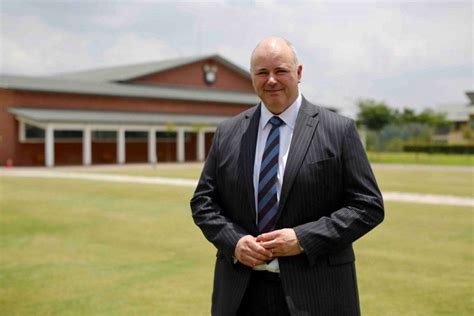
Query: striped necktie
point(267, 191)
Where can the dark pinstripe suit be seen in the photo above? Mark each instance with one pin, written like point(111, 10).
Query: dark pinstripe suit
point(329, 197)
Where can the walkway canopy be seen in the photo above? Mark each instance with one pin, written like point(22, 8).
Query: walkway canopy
point(88, 121)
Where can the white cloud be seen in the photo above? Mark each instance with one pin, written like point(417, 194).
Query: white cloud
point(132, 48)
point(349, 50)
point(120, 15)
point(388, 40)
point(30, 46)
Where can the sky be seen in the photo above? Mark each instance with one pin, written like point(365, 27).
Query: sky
point(416, 54)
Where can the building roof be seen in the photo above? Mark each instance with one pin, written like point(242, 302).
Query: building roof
point(49, 84)
point(458, 112)
point(109, 81)
point(128, 72)
point(43, 116)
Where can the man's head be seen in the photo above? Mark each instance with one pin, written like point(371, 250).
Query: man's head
point(275, 73)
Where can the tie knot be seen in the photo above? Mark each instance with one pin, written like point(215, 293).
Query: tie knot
point(276, 121)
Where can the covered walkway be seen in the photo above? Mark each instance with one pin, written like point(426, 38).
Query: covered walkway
point(40, 125)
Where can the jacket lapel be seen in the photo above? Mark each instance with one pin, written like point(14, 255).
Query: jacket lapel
point(306, 123)
point(249, 129)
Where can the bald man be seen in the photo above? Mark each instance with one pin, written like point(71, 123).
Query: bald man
point(286, 190)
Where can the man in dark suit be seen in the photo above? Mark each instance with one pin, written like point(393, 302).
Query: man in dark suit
point(286, 190)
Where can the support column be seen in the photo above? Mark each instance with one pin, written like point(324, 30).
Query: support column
point(180, 145)
point(363, 136)
point(152, 146)
point(121, 145)
point(86, 146)
point(22, 131)
point(49, 146)
point(201, 145)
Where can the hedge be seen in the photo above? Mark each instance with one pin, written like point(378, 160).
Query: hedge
point(445, 149)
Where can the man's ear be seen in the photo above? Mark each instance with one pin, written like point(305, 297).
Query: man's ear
point(299, 71)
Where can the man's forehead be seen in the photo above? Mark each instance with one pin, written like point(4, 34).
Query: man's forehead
point(270, 65)
point(271, 59)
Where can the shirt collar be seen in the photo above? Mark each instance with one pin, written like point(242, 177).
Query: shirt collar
point(288, 116)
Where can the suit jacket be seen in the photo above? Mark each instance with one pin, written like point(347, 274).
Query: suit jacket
point(329, 196)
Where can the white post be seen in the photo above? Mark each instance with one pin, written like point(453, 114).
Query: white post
point(22, 131)
point(49, 146)
point(121, 145)
point(363, 136)
point(152, 145)
point(201, 145)
point(86, 146)
point(180, 145)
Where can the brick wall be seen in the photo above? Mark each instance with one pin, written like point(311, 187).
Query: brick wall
point(192, 75)
point(105, 152)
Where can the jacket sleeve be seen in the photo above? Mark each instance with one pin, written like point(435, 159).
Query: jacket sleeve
point(362, 207)
point(206, 207)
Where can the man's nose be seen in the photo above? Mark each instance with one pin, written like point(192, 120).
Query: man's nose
point(271, 80)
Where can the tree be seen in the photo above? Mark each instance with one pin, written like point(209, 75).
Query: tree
point(374, 115)
point(436, 121)
point(407, 116)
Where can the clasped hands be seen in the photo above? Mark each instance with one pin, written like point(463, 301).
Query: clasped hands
point(252, 251)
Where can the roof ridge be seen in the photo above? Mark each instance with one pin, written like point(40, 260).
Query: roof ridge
point(130, 71)
point(131, 64)
point(129, 90)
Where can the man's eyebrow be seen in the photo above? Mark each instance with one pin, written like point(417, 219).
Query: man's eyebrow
point(283, 66)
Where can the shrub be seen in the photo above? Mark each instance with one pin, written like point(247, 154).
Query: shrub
point(446, 149)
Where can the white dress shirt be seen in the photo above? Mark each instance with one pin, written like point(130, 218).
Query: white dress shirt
point(286, 133)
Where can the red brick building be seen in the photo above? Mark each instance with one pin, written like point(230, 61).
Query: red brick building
point(151, 112)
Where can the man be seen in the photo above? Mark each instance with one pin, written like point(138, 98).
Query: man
point(286, 189)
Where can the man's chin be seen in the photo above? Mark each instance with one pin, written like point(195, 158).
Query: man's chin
point(273, 99)
point(275, 107)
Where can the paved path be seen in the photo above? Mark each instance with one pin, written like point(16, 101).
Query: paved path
point(428, 198)
point(65, 174)
point(36, 173)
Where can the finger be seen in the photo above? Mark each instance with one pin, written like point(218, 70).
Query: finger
point(263, 257)
point(257, 262)
point(287, 250)
point(280, 252)
point(276, 247)
point(269, 244)
point(268, 236)
point(258, 249)
point(252, 262)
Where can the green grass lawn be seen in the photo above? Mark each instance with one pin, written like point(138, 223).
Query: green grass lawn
point(88, 248)
point(445, 182)
point(420, 261)
point(163, 170)
point(97, 248)
point(421, 158)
